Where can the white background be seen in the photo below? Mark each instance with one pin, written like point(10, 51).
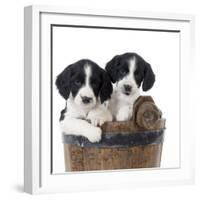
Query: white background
point(11, 146)
point(160, 49)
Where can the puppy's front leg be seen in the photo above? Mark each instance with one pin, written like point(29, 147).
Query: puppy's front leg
point(124, 113)
point(73, 126)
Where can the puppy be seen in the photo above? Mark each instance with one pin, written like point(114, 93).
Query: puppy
point(128, 71)
point(86, 87)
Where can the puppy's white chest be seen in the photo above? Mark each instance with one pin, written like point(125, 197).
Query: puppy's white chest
point(75, 111)
point(121, 106)
point(124, 113)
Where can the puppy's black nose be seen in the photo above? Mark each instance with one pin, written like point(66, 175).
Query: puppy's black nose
point(86, 100)
point(127, 88)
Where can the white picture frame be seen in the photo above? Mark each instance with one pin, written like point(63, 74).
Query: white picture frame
point(38, 176)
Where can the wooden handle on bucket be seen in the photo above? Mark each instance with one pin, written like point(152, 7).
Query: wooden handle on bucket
point(148, 115)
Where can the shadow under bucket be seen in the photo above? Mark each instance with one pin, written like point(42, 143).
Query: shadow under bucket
point(124, 145)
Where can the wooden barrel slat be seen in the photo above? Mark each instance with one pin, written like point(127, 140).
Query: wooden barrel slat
point(88, 159)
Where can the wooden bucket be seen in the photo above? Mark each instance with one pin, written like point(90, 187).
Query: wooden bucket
point(124, 145)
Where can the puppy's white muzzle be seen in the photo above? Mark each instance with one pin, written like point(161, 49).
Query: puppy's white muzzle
point(85, 97)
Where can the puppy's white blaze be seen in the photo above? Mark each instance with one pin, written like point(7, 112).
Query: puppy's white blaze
point(132, 63)
point(129, 78)
point(86, 90)
point(88, 74)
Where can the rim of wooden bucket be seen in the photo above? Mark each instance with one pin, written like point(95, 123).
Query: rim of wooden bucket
point(114, 140)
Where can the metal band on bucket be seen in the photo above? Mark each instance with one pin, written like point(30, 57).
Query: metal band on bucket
point(114, 140)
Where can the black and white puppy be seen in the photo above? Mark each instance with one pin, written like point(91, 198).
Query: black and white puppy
point(86, 87)
point(128, 71)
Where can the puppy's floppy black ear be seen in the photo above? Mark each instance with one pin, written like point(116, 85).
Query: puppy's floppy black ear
point(63, 82)
point(111, 68)
point(106, 88)
point(149, 76)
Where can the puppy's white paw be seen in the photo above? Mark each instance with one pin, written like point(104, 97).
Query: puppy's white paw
point(123, 117)
point(97, 121)
point(98, 117)
point(94, 135)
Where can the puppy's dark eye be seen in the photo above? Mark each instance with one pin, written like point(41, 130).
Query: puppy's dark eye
point(77, 82)
point(137, 74)
point(94, 83)
point(122, 71)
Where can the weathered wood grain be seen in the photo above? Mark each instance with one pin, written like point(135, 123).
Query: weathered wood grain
point(88, 159)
